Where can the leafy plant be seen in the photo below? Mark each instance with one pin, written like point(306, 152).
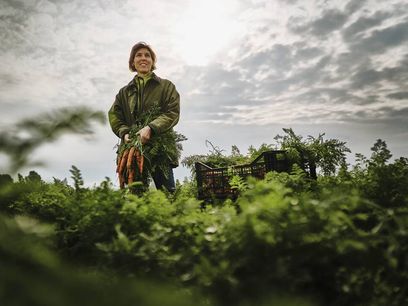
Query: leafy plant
point(77, 178)
point(287, 240)
point(19, 142)
point(328, 155)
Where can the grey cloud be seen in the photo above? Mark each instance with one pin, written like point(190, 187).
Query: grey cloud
point(21, 6)
point(354, 5)
point(371, 77)
point(357, 61)
point(397, 114)
point(280, 60)
point(350, 62)
point(276, 87)
point(214, 89)
point(370, 99)
point(7, 79)
point(205, 107)
point(214, 80)
point(365, 78)
point(289, 1)
point(318, 78)
point(387, 116)
point(330, 21)
point(12, 24)
point(278, 57)
point(383, 114)
point(217, 87)
point(381, 40)
point(311, 75)
point(329, 96)
point(358, 67)
point(303, 54)
point(190, 77)
point(281, 65)
point(364, 23)
point(215, 74)
point(401, 95)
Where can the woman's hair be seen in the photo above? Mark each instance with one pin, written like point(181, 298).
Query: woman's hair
point(135, 48)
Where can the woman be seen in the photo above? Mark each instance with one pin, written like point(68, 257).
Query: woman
point(144, 92)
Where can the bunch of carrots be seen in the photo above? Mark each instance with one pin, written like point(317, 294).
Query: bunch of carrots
point(127, 161)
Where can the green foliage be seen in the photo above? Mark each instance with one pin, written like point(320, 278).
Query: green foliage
point(19, 142)
point(381, 181)
point(287, 240)
point(254, 153)
point(381, 154)
point(33, 177)
point(237, 183)
point(28, 263)
point(5, 179)
point(77, 178)
point(328, 155)
point(319, 240)
point(296, 181)
point(216, 158)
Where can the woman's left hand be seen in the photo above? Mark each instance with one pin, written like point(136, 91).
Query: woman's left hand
point(145, 134)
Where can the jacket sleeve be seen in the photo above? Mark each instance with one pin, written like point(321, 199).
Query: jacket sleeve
point(117, 118)
point(171, 111)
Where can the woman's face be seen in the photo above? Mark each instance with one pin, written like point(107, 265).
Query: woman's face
point(143, 61)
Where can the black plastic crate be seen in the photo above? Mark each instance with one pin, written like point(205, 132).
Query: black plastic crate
point(214, 182)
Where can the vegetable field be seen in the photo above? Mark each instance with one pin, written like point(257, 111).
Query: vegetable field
point(286, 240)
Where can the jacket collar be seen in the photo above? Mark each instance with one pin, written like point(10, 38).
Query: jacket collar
point(154, 77)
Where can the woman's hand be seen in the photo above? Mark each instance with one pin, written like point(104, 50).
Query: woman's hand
point(126, 138)
point(145, 134)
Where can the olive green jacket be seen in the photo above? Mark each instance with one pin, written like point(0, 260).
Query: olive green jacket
point(127, 106)
point(124, 111)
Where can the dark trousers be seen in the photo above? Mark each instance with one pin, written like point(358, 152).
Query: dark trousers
point(164, 180)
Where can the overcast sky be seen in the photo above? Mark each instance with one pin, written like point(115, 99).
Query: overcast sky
point(245, 69)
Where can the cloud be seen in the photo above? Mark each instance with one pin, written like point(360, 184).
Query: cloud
point(353, 6)
point(304, 53)
point(275, 60)
point(298, 82)
point(402, 95)
point(363, 24)
point(381, 40)
point(330, 21)
point(372, 77)
point(307, 82)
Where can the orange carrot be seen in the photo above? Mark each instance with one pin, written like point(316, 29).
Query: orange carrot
point(131, 176)
point(129, 165)
point(138, 156)
point(130, 158)
point(122, 162)
point(121, 181)
point(141, 163)
point(119, 159)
